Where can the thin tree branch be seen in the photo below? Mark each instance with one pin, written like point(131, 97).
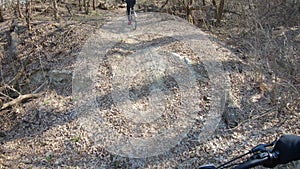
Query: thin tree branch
point(19, 100)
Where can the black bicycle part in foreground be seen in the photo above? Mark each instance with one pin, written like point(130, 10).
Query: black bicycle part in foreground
point(260, 155)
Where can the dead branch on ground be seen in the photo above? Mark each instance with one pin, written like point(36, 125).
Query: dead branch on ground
point(19, 100)
point(17, 77)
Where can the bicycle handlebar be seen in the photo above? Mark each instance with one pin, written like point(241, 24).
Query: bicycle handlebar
point(258, 159)
point(261, 156)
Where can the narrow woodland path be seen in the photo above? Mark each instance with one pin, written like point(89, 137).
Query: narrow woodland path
point(163, 47)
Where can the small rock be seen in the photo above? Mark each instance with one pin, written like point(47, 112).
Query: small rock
point(297, 38)
point(60, 76)
point(27, 161)
point(2, 134)
point(58, 161)
point(231, 116)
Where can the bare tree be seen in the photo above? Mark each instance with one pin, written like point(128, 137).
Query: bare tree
point(189, 11)
point(219, 9)
point(79, 3)
point(86, 4)
point(28, 14)
point(55, 9)
point(1, 14)
point(162, 7)
point(20, 14)
point(94, 4)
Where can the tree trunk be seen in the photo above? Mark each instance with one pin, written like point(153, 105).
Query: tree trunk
point(19, 9)
point(1, 15)
point(94, 4)
point(220, 11)
point(55, 9)
point(28, 14)
point(86, 6)
point(79, 3)
point(214, 2)
point(215, 9)
point(189, 11)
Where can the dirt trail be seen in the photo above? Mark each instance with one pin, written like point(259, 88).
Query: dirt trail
point(149, 62)
point(149, 98)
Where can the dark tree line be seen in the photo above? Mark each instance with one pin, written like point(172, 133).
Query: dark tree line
point(189, 6)
point(23, 9)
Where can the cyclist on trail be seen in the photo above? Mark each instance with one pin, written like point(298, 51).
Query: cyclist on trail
point(130, 4)
point(288, 147)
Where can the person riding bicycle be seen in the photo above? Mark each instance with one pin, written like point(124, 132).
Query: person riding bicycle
point(288, 147)
point(130, 4)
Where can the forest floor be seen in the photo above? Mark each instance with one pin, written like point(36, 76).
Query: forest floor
point(72, 63)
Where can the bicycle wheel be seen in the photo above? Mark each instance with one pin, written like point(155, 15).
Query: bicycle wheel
point(134, 23)
point(133, 19)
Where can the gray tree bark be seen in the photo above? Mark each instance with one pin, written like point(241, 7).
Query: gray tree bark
point(1, 14)
point(28, 14)
point(20, 14)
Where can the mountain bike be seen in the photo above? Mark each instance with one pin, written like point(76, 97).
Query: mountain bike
point(132, 18)
point(259, 155)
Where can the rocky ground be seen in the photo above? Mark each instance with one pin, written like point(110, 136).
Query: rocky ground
point(47, 132)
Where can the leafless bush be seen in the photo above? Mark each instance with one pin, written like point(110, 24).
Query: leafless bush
point(265, 31)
